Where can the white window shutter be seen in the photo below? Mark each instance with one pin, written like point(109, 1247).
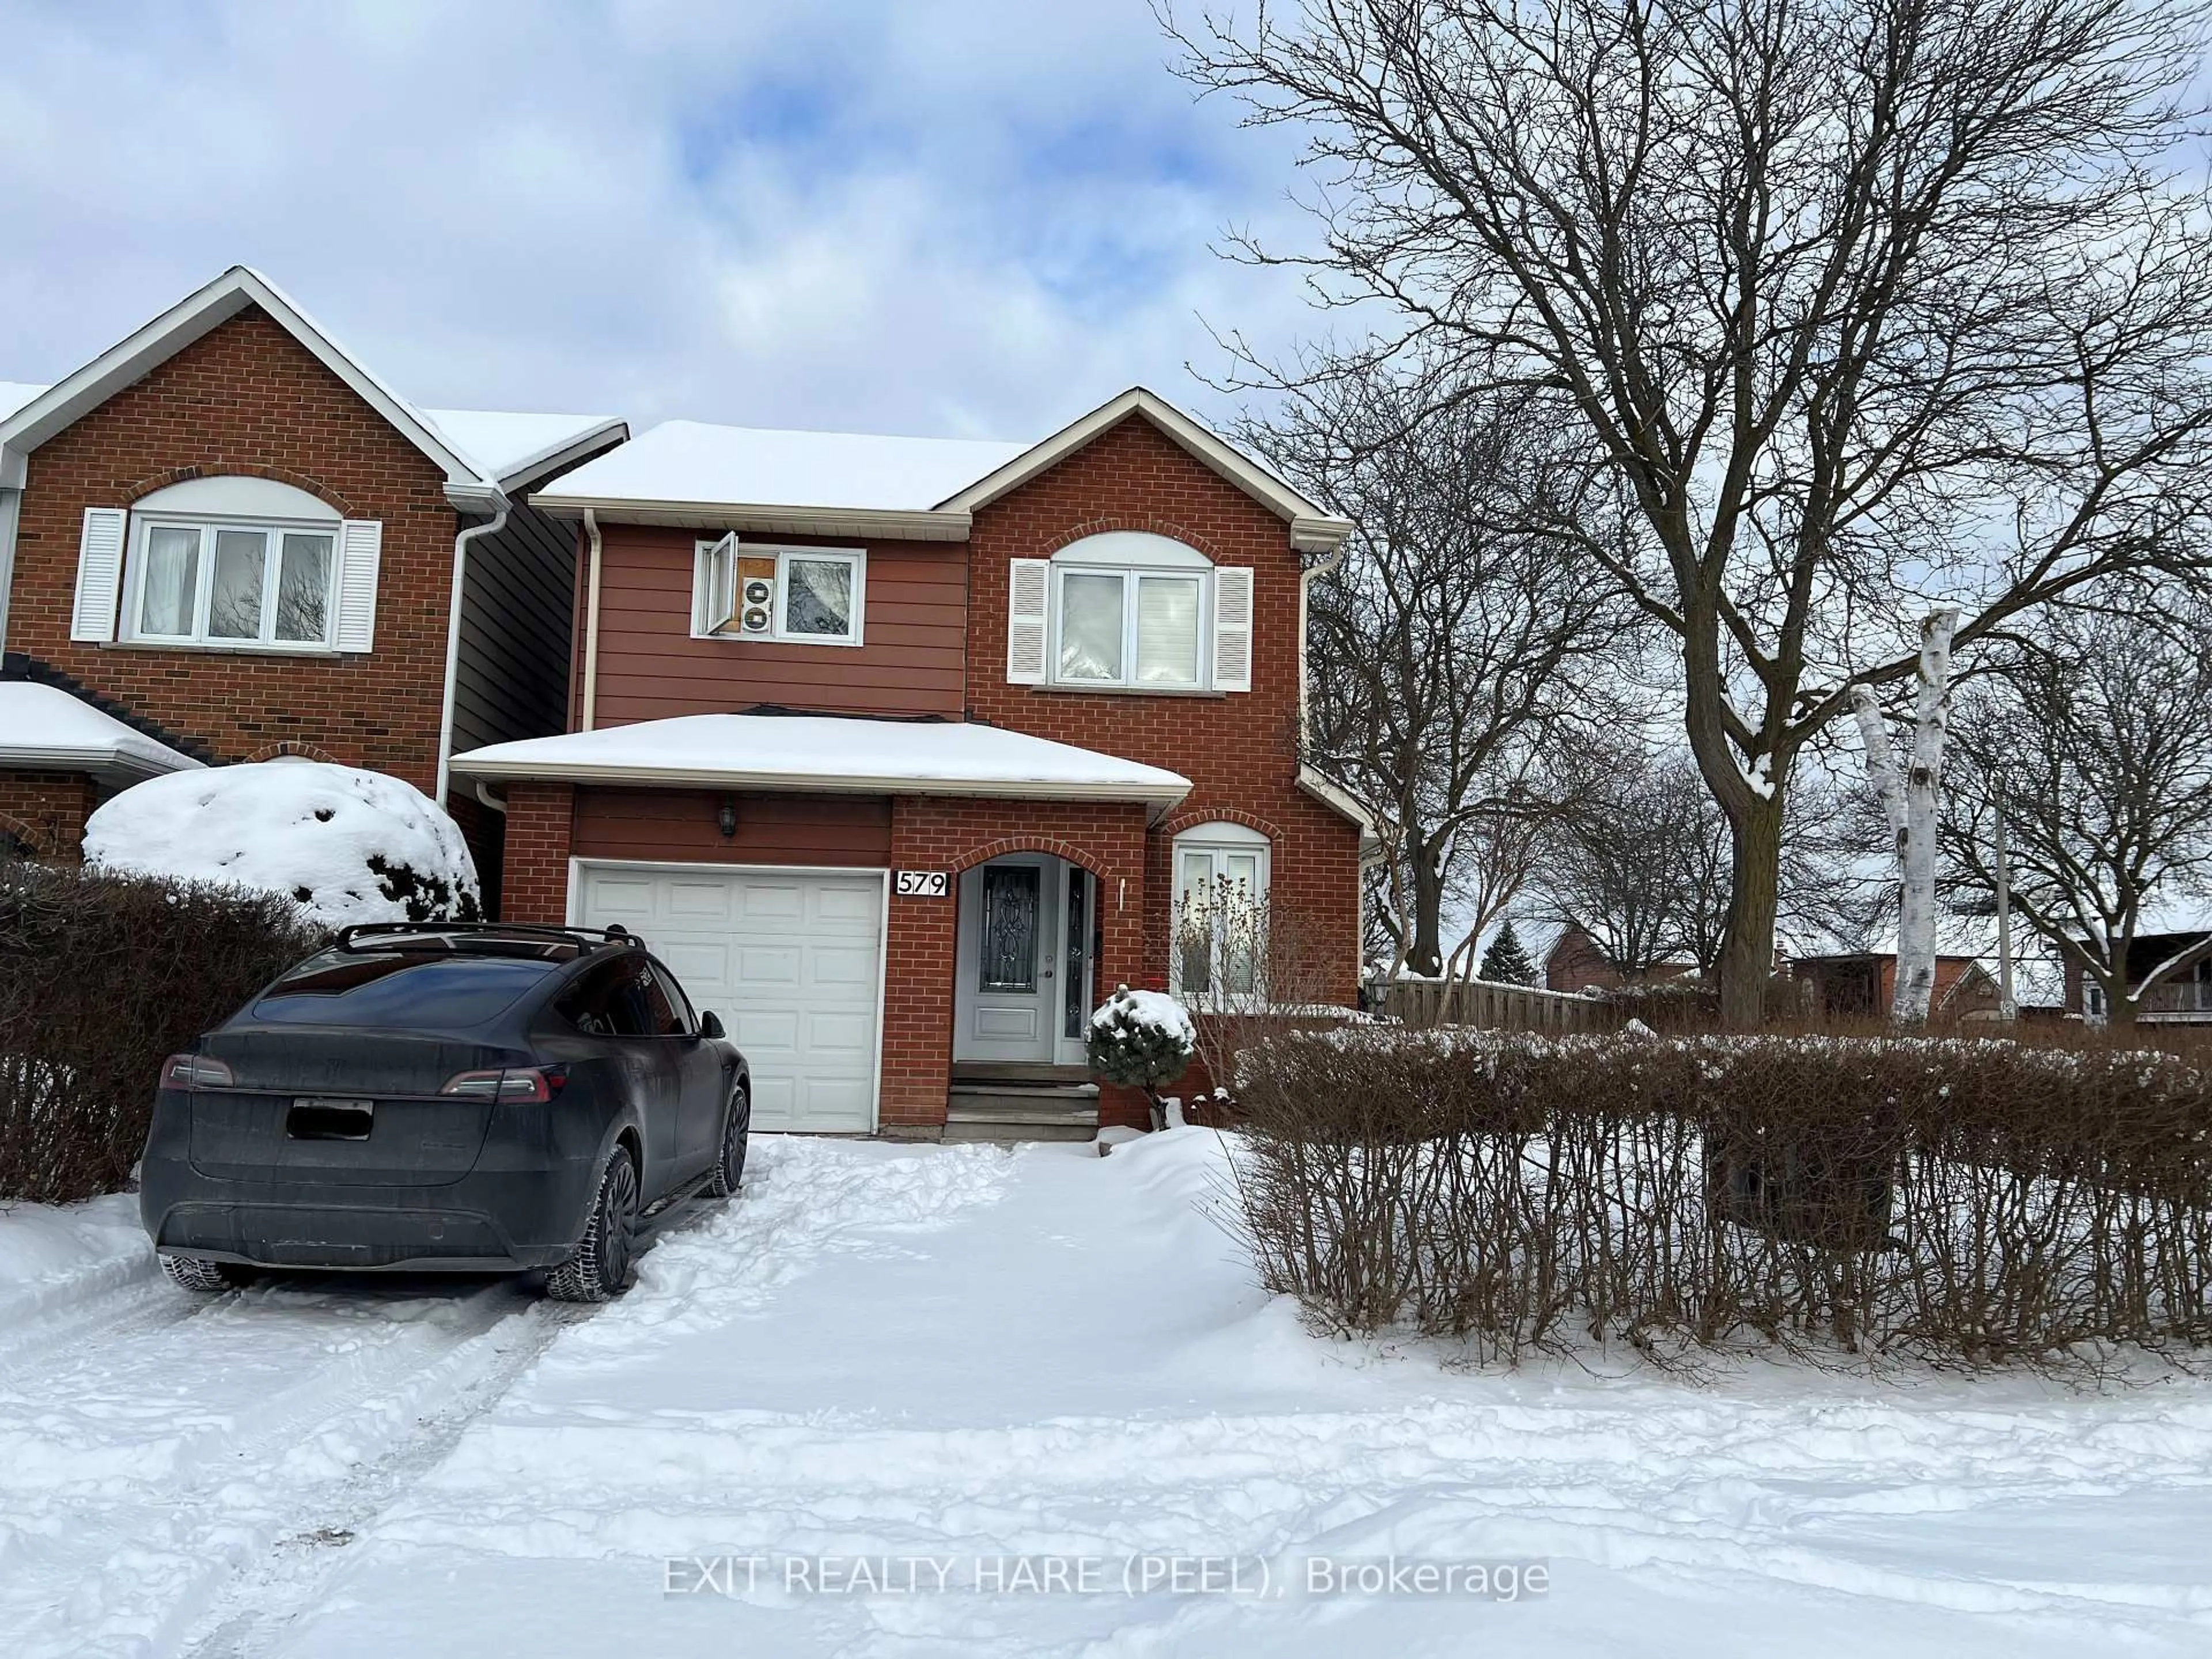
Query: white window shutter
point(1232, 628)
point(1029, 594)
point(361, 548)
point(99, 573)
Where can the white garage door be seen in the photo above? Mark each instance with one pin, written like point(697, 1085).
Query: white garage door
point(790, 961)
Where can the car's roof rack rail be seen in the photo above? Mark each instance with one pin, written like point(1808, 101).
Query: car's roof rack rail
point(364, 934)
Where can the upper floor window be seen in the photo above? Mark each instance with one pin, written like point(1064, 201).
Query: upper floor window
point(228, 562)
point(801, 595)
point(1129, 610)
point(211, 583)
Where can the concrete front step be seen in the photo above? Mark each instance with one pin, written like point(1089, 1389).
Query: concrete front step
point(1001, 1112)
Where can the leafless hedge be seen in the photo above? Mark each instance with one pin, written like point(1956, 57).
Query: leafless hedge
point(1972, 1201)
point(101, 977)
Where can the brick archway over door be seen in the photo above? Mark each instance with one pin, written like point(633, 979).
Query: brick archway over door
point(952, 835)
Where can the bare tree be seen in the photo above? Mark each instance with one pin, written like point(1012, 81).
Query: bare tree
point(1911, 799)
point(1450, 650)
point(1638, 860)
point(2093, 738)
point(1871, 306)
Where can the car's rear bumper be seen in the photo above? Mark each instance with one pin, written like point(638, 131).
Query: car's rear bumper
point(522, 1206)
point(336, 1230)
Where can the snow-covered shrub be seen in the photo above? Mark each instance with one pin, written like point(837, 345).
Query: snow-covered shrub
point(1140, 1040)
point(344, 844)
point(102, 977)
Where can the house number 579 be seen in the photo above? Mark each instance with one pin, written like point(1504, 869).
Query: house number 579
point(923, 883)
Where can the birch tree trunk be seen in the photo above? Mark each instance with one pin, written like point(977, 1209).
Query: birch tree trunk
point(1911, 798)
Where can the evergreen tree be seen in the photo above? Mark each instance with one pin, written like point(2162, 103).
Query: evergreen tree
point(1507, 961)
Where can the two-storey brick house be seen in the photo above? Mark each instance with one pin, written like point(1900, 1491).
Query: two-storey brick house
point(904, 752)
point(224, 538)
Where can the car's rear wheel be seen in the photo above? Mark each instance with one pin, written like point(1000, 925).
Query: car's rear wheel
point(600, 1270)
point(206, 1277)
point(730, 1166)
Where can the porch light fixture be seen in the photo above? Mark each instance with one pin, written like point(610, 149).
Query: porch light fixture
point(725, 818)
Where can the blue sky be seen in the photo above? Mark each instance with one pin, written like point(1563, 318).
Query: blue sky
point(973, 217)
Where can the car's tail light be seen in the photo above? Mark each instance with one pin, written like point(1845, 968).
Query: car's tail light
point(517, 1083)
point(195, 1071)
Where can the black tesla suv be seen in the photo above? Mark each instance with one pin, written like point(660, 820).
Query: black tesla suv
point(476, 1098)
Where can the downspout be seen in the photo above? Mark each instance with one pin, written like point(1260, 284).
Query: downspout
point(1306, 578)
point(591, 623)
point(11, 504)
point(493, 527)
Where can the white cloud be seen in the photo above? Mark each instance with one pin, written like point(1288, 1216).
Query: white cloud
point(957, 216)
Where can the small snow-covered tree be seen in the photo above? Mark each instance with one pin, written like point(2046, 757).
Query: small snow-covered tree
point(1140, 1040)
point(1911, 797)
point(1507, 961)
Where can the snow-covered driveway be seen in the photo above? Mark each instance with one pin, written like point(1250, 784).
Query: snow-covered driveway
point(920, 1361)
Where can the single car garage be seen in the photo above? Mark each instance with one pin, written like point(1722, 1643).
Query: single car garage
point(792, 959)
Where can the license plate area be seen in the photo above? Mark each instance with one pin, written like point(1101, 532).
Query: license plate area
point(330, 1120)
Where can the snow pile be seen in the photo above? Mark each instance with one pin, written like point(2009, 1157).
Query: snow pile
point(1154, 1012)
point(348, 845)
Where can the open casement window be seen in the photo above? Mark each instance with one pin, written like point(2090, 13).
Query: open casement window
point(1131, 611)
point(1220, 914)
point(799, 595)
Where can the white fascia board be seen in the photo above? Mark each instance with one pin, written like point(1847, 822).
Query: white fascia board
point(191, 318)
point(113, 764)
point(1161, 801)
point(1320, 532)
point(926, 525)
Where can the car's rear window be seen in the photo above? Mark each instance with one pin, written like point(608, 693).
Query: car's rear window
point(393, 989)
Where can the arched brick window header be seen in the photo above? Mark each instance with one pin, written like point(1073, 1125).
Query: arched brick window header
point(292, 749)
point(1097, 865)
point(138, 491)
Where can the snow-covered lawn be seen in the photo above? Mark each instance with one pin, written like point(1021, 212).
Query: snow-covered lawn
point(921, 1359)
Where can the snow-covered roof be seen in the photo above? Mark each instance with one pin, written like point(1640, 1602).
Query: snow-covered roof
point(826, 752)
point(512, 447)
point(687, 473)
point(14, 394)
point(692, 461)
point(42, 728)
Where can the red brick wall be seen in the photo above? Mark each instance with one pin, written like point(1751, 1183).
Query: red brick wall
point(249, 398)
point(936, 834)
point(1240, 751)
point(539, 819)
point(46, 810)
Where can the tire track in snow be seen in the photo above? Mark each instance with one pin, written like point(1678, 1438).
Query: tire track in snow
point(150, 1453)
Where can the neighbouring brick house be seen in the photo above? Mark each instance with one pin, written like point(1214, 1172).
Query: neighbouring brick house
point(1861, 985)
point(904, 752)
point(227, 540)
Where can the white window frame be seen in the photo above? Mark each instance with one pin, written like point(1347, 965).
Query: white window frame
point(1218, 842)
point(1130, 575)
point(273, 531)
point(703, 600)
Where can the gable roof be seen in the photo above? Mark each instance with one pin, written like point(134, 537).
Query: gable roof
point(472, 485)
point(692, 474)
point(1312, 530)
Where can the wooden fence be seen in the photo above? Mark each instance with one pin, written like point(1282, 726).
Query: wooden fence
point(1487, 1007)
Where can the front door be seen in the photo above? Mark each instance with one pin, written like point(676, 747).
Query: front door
point(1024, 961)
point(1007, 965)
